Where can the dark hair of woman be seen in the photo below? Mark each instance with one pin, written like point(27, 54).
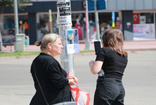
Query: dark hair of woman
point(113, 38)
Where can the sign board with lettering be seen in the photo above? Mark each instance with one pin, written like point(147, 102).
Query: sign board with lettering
point(63, 13)
point(143, 31)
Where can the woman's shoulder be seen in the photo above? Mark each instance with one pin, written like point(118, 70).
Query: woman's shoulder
point(102, 51)
point(43, 57)
point(105, 49)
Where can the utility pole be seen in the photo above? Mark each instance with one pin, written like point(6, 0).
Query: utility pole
point(96, 21)
point(64, 23)
point(20, 38)
point(0, 41)
point(16, 17)
point(87, 43)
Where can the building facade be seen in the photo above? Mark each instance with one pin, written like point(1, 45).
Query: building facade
point(136, 18)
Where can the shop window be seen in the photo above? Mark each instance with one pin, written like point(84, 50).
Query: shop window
point(148, 17)
point(44, 26)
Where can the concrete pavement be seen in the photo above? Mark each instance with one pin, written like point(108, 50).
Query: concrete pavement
point(17, 88)
point(16, 84)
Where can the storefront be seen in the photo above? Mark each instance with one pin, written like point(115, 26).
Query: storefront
point(43, 26)
point(78, 22)
point(136, 21)
point(8, 24)
point(143, 25)
point(8, 28)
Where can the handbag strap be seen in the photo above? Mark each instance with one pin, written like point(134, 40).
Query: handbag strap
point(40, 87)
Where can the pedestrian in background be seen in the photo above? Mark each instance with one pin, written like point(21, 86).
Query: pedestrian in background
point(50, 80)
point(110, 64)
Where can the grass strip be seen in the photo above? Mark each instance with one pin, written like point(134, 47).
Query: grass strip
point(21, 53)
point(87, 51)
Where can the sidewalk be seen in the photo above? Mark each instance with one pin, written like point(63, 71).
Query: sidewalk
point(140, 45)
point(128, 45)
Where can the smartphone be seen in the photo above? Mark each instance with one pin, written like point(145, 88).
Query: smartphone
point(97, 46)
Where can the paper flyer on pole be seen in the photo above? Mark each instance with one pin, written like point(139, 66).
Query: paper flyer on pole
point(63, 13)
point(72, 41)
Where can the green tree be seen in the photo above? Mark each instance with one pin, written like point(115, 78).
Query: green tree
point(8, 4)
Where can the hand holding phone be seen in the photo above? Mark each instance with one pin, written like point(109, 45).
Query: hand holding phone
point(97, 46)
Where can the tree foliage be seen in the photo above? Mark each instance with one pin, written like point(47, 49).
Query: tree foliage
point(10, 4)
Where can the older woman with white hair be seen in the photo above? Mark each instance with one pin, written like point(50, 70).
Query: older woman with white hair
point(50, 80)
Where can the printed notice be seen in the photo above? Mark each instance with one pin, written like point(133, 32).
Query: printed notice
point(63, 13)
point(72, 41)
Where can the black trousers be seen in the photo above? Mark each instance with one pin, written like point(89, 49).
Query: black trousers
point(109, 91)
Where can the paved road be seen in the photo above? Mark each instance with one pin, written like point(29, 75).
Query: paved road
point(16, 85)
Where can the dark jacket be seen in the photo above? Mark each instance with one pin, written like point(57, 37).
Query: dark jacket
point(52, 79)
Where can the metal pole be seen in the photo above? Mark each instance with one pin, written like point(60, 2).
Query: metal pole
point(97, 21)
point(66, 59)
point(50, 21)
point(87, 43)
point(0, 41)
point(16, 17)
